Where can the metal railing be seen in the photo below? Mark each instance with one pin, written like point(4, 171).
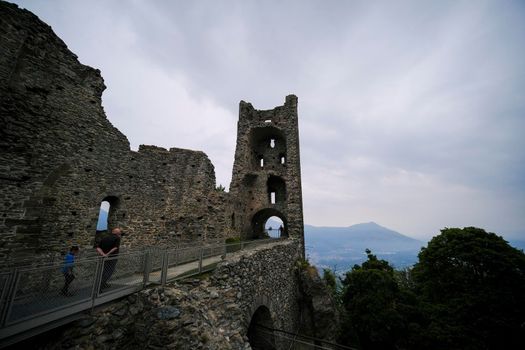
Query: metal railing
point(33, 296)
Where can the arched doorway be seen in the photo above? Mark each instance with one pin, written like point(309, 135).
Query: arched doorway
point(260, 219)
point(274, 227)
point(260, 331)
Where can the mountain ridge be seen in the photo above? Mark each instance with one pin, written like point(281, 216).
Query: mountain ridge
point(345, 246)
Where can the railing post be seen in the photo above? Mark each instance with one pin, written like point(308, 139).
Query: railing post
point(200, 260)
point(164, 270)
point(147, 267)
point(9, 297)
point(98, 279)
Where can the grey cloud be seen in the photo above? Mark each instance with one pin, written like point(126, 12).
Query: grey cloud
point(410, 111)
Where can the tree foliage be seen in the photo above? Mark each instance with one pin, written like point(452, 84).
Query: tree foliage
point(472, 285)
point(467, 291)
point(330, 280)
point(370, 297)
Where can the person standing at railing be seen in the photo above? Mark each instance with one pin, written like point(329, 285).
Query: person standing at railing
point(108, 247)
point(67, 270)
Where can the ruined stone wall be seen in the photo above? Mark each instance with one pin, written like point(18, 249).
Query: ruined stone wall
point(60, 157)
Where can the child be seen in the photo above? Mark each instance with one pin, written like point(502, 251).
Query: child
point(67, 270)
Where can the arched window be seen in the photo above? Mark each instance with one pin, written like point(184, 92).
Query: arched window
point(109, 216)
point(102, 224)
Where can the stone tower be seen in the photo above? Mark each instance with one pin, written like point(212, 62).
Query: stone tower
point(266, 178)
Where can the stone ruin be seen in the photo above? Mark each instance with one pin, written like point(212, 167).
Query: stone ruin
point(60, 158)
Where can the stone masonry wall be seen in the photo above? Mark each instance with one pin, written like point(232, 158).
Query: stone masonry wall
point(60, 157)
point(267, 160)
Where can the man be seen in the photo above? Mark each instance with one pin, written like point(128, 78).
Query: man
point(108, 248)
point(67, 270)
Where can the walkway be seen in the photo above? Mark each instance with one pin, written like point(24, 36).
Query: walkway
point(31, 302)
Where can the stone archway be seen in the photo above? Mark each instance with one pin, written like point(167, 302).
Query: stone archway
point(260, 331)
point(259, 219)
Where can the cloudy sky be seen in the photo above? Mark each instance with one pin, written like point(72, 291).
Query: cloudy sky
point(411, 113)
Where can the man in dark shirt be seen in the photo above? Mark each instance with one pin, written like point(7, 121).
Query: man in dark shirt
point(108, 248)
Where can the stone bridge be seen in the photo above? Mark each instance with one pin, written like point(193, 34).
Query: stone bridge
point(240, 303)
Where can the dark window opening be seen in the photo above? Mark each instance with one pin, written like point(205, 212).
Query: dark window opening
point(268, 142)
point(276, 190)
point(233, 220)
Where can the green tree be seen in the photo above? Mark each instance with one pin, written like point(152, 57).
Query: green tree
point(331, 282)
point(370, 299)
point(472, 287)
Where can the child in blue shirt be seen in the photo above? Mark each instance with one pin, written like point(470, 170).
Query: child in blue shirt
point(67, 270)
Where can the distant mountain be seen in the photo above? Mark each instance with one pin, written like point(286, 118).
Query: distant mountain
point(342, 247)
point(517, 244)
